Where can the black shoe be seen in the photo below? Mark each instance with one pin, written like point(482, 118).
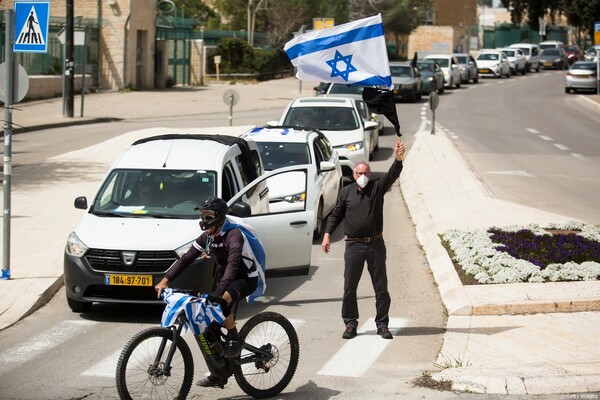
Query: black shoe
point(385, 333)
point(233, 348)
point(349, 333)
point(212, 381)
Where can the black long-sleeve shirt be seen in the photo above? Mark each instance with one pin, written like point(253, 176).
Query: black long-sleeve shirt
point(227, 249)
point(363, 209)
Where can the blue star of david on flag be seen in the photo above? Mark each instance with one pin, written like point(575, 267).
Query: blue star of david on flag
point(359, 46)
point(334, 65)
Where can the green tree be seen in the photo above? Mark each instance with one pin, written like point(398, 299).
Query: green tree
point(402, 17)
point(533, 10)
point(582, 14)
point(199, 10)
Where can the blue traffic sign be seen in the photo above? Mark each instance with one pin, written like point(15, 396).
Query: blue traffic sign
point(31, 26)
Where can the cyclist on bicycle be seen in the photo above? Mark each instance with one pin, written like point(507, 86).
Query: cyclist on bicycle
point(237, 271)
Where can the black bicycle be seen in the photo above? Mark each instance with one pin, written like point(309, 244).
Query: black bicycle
point(157, 363)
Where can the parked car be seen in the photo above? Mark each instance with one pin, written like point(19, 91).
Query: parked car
point(554, 58)
point(281, 147)
point(449, 65)
point(432, 76)
point(468, 67)
point(551, 44)
point(592, 52)
point(516, 60)
point(531, 52)
point(125, 241)
point(407, 81)
point(493, 63)
point(574, 53)
point(355, 92)
point(582, 75)
point(339, 119)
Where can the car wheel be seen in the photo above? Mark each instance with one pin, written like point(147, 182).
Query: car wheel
point(567, 90)
point(78, 306)
point(441, 90)
point(413, 97)
point(476, 79)
point(458, 84)
point(538, 68)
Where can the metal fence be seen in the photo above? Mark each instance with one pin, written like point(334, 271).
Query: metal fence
point(51, 63)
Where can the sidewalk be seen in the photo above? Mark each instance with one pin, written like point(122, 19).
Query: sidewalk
point(506, 339)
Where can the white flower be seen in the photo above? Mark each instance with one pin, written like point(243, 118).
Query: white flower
point(479, 257)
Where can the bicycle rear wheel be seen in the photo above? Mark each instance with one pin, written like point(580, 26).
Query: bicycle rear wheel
point(273, 333)
point(139, 376)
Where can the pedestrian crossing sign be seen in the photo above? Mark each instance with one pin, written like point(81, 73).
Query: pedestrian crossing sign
point(31, 26)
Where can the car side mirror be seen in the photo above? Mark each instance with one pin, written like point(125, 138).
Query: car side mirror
point(325, 166)
point(240, 209)
point(81, 203)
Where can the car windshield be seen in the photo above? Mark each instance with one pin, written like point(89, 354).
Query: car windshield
point(547, 46)
point(154, 193)
point(462, 59)
point(276, 154)
point(403, 71)
point(442, 62)
point(570, 49)
point(325, 118)
point(509, 53)
point(588, 66)
point(525, 50)
point(425, 66)
point(345, 89)
point(550, 52)
point(488, 56)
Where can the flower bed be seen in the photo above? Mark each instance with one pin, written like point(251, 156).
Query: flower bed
point(514, 254)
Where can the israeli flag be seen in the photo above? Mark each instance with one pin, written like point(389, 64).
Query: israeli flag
point(199, 312)
point(351, 53)
point(253, 253)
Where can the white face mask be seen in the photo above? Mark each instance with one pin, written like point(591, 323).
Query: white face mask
point(362, 181)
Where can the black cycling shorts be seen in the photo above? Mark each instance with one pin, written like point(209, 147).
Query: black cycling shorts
point(239, 289)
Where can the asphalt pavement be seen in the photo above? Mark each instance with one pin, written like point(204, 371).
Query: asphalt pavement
point(513, 339)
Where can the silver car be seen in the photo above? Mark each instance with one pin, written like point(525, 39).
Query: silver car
point(582, 76)
point(468, 67)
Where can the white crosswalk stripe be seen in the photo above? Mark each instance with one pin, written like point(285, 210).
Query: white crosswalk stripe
point(39, 344)
point(357, 355)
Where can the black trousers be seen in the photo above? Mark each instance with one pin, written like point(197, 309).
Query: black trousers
point(374, 253)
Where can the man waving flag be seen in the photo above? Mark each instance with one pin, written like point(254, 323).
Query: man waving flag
point(352, 53)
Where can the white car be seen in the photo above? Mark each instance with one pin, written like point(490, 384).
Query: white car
point(355, 92)
point(531, 52)
point(450, 66)
point(516, 59)
point(282, 147)
point(126, 241)
point(493, 63)
point(339, 119)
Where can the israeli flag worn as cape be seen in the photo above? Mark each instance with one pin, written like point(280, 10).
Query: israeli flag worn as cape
point(351, 53)
point(199, 312)
point(252, 252)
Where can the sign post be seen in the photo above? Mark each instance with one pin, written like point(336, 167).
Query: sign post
point(434, 100)
point(31, 27)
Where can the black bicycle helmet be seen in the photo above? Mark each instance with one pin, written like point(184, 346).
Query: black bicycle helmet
point(219, 210)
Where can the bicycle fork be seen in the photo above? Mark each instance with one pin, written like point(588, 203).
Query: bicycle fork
point(159, 368)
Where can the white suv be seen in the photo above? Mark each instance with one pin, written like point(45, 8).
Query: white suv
point(450, 66)
point(532, 55)
point(143, 218)
point(282, 147)
point(339, 119)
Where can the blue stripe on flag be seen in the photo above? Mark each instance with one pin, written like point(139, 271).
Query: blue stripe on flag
point(320, 44)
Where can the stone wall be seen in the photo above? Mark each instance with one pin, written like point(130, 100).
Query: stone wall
point(44, 86)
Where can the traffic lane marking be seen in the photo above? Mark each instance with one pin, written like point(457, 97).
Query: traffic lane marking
point(358, 354)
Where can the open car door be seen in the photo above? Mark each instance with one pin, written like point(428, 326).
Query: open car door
point(286, 234)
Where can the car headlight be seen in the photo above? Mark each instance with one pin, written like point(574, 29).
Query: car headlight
point(75, 247)
point(354, 146)
point(557, 60)
point(430, 79)
point(183, 249)
point(296, 198)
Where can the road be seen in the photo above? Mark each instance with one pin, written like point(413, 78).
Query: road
point(530, 143)
point(56, 354)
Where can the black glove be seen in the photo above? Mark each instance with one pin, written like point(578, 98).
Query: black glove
point(215, 296)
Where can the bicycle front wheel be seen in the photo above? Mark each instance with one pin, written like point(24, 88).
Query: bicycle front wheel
point(273, 333)
point(141, 370)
